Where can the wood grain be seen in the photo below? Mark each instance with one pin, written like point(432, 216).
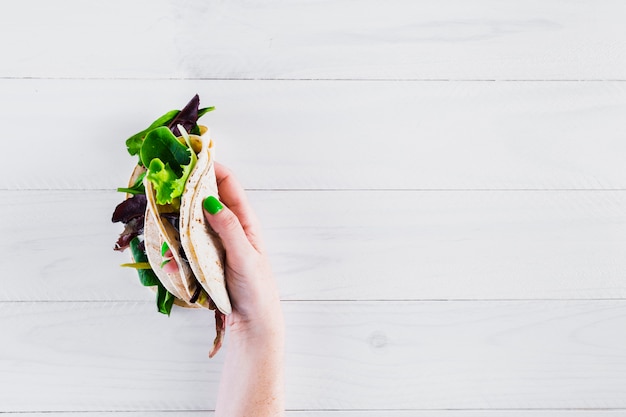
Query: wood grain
point(451, 39)
point(343, 413)
point(123, 356)
point(327, 135)
point(442, 187)
point(350, 245)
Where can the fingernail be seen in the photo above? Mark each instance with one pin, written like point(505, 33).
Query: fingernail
point(164, 248)
point(165, 262)
point(212, 205)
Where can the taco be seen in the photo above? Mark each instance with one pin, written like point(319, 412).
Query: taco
point(163, 218)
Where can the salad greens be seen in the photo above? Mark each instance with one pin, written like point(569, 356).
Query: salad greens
point(137, 265)
point(165, 300)
point(187, 117)
point(169, 162)
point(162, 144)
point(134, 142)
point(167, 185)
point(136, 188)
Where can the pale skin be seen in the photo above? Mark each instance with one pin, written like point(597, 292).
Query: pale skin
point(252, 381)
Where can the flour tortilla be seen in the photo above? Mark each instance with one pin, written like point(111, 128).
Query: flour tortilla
point(153, 240)
point(201, 244)
point(203, 248)
point(158, 230)
point(183, 282)
point(152, 243)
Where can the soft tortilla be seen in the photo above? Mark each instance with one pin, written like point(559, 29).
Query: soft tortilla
point(183, 280)
point(152, 244)
point(201, 244)
point(153, 240)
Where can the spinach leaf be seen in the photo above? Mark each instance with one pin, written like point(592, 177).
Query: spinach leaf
point(165, 300)
point(188, 117)
point(133, 143)
point(136, 188)
point(164, 120)
point(162, 144)
point(204, 111)
point(169, 164)
point(147, 276)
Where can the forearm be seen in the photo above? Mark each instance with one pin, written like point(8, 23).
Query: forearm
point(252, 381)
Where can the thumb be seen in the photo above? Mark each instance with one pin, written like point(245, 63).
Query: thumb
point(224, 222)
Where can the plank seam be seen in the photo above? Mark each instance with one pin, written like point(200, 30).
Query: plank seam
point(288, 301)
point(350, 189)
point(338, 410)
point(486, 80)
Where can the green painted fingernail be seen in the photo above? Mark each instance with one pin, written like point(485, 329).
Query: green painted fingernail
point(165, 262)
point(164, 248)
point(212, 205)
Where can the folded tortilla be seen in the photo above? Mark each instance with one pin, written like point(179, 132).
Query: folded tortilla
point(201, 260)
point(195, 247)
point(201, 244)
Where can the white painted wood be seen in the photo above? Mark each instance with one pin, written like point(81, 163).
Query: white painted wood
point(398, 39)
point(68, 134)
point(57, 245)
point(340, 355)
point(81, 337)
point(342, 413)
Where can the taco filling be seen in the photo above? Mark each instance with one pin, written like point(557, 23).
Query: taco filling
point(175, 165)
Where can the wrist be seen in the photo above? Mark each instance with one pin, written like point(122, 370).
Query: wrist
point(266, 327)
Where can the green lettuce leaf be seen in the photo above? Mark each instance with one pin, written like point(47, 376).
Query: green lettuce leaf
point(167, 184)
point(169, 164)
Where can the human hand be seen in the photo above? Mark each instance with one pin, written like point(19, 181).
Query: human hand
point(250, 283)
point(249, 280)
point(252, 380)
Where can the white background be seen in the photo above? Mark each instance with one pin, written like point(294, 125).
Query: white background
point(441, 184)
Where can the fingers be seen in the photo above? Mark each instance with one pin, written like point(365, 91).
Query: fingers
point(234, 197)
point(234, 220)
point(226, 224)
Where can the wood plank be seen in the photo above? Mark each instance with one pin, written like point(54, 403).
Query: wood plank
point(354, 245)
point(328, 135)
point(340, 355)
point(342, 413)
point(397, 39)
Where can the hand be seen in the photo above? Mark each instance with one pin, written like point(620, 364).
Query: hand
point(249, 280)
point(252, 380)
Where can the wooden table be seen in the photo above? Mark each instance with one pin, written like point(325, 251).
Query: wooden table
point(441, 184)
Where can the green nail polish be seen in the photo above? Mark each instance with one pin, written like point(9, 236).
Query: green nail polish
point(212, 205)
point(164, 248)
point(165, 262)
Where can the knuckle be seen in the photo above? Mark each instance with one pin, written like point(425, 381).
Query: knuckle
point(230, 222)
